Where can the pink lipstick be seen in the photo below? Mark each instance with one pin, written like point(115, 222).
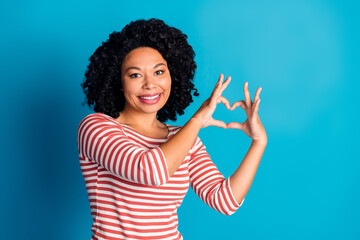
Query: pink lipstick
point(150, 98)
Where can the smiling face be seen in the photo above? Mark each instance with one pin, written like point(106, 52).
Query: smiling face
point(146, 80)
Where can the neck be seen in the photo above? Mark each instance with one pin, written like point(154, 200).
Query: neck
point(146, 121)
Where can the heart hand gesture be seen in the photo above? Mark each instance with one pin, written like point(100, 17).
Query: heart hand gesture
point(251, 127)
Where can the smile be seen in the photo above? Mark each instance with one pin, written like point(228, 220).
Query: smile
point(150, 99)
point(153, 97)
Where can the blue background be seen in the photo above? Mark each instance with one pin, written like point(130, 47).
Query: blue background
point(304, 54)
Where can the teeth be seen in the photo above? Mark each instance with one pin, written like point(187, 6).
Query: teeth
point(148, 98)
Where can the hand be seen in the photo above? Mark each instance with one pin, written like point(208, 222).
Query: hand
point(206, 110)
point(252, 126)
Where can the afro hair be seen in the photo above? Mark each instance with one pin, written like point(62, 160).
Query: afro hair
point(102, 82)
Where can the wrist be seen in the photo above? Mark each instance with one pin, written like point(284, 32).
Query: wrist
point(196, 122)
point(262, 142)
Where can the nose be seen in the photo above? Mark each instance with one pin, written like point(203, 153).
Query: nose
point(149, 81)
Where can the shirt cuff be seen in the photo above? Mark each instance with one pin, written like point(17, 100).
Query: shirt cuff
point(160, 168)
point(234, 202)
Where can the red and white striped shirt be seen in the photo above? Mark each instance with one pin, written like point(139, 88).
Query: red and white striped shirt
point(130, 191)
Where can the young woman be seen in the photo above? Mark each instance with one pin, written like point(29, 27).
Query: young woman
point(138, 169)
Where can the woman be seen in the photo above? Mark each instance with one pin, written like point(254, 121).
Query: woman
point(136, 168)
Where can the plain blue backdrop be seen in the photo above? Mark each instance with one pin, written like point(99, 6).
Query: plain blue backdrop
point(304, 54)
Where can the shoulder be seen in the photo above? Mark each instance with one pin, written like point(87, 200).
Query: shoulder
point(98, 121)
point(97, 117)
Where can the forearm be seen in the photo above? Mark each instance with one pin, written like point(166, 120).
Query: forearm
point(243, 177)
point(176, 149)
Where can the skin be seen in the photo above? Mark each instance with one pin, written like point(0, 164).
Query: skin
point(175, 150)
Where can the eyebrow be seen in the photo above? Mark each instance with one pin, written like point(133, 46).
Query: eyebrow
point(137, 68)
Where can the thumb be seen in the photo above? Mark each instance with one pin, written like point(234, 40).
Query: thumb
point(242, 126)
point(235, 125)
point(217, 123)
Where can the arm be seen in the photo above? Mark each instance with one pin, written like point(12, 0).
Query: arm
point(243, 177)
point(176, 149)
point(179, 145)
point(209, 184)
point(106, 144)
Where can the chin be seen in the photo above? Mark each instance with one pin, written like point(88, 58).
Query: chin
point(152, 109)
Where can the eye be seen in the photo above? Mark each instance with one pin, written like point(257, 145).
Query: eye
point(135, 75)
point(159, 72)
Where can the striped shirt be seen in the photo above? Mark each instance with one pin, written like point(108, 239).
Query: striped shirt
point(130, 191)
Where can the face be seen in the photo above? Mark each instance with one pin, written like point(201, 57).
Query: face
point(146, 80)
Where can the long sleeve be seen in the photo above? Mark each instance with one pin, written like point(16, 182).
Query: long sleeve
point(105, 143)
point(209, 184)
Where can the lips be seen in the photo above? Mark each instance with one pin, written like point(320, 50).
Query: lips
point(150, 98)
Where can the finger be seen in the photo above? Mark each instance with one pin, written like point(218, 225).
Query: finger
point(247, 95)
point(238, 104)
point(235, 125)
point(224, 101)
point(224, 85)
point(257, 94)
point(241, 126)
point(256, 108)
point(215, 93)
point(218, 84)
point(217, 123)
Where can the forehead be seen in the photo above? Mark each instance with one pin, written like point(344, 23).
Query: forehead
point(143, 56)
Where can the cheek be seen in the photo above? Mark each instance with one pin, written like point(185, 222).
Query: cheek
point(128, 93)
point(128, 87)
point(168, 89)
point(166, 82)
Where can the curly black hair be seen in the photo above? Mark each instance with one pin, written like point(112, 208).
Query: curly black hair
point(102, 82)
